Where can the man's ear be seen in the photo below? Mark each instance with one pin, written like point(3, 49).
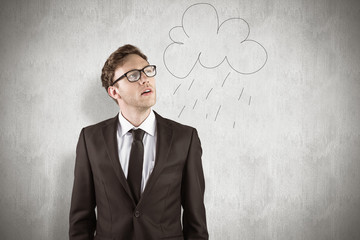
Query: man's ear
point(113, 92)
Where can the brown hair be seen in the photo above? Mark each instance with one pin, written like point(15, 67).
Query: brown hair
point(115, 60)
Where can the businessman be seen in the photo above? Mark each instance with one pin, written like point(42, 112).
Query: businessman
point(137, 169)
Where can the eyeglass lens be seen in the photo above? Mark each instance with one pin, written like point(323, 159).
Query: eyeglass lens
point(136, 74)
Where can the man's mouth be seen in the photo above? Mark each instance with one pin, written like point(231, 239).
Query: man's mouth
point(147, 91)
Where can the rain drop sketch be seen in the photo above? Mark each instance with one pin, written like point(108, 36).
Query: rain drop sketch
point(201, 40)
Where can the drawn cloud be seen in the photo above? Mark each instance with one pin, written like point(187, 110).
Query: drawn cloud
point(201, 39)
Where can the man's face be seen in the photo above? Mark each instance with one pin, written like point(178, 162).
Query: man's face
point(135, 95)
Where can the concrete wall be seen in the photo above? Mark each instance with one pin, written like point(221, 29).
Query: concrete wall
point(278, 121)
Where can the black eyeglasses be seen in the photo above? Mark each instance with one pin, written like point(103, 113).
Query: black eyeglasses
point(135, 74)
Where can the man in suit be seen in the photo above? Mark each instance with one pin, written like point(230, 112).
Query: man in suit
point(137, 169)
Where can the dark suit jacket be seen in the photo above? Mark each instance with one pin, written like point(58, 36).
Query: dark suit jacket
point(177, 180)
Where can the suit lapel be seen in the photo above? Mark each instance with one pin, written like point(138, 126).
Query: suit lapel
point(163, 145)
point(109, 133)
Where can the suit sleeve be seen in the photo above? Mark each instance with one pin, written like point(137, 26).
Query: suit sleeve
point(192, 193)
point(82, 211)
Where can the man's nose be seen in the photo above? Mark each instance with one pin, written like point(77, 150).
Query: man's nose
point(143, 78)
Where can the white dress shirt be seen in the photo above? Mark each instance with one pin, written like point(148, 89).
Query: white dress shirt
point(125, 139)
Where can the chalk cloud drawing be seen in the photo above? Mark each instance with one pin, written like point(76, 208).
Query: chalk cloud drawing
point(201, 39)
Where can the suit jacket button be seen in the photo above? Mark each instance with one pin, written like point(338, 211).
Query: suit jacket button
point(137, 214)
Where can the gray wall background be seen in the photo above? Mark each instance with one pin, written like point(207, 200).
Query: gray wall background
point(282, 162)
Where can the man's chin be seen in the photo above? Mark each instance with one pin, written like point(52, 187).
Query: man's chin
point(151, 103)
point(146, 107)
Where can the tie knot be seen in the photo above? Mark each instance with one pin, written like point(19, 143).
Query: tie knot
point(137, 134)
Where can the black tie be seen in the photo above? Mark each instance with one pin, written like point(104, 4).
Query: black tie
point(136, 163)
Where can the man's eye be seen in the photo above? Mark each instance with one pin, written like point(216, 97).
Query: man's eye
point(149, 70)
point(133, 75)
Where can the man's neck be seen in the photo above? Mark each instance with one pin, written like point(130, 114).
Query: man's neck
point(136, 117)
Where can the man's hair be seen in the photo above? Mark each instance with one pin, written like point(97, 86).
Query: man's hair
point(115, 60)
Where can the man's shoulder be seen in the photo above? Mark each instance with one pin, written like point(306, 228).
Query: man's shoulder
point(95, 127)
point(173, 124)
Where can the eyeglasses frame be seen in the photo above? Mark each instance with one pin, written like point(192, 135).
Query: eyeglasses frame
point(140, 70)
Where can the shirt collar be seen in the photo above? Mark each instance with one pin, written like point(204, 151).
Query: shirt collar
point(149, 125)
